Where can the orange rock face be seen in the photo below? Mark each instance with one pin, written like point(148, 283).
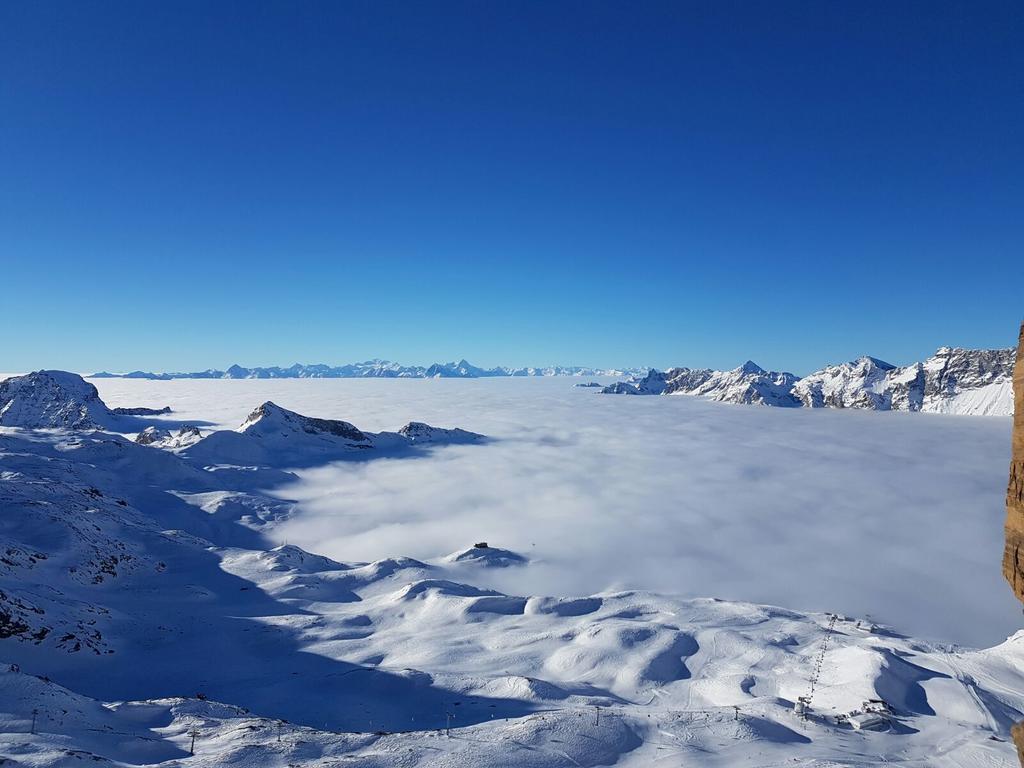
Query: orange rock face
point(1013, 555)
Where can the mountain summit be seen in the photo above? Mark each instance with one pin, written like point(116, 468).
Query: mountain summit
point(51, 399)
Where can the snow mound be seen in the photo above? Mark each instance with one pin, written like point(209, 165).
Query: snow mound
point(488, 557)
point(290, 557)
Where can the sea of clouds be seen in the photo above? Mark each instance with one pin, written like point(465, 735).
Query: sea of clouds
point(893, 516)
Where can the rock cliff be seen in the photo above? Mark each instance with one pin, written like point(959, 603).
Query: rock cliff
point(1013, 555)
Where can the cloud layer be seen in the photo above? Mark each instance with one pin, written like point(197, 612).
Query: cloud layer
point(890, 515)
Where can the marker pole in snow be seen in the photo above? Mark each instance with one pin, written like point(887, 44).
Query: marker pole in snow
point(448, 724)
point(193, 733)
point(597, 714)
point(34, 713)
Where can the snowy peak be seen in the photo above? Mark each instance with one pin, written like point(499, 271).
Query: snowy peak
point(953, 380)
point(51, 399)
point(270, 419)
point(750, 368)
point(861, 383)
point(748, 384)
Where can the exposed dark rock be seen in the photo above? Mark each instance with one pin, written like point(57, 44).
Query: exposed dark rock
point(1013, 554)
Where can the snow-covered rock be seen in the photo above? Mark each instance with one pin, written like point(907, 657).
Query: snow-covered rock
point(653, 383)
point(969, 381)
point(63, 400)
point(49, 400)
point(418, 432)
point(164, 438)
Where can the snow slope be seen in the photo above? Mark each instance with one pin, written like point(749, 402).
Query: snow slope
point(370, 661)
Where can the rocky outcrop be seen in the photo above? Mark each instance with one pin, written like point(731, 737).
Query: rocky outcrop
point(418, 432)
point(141, 411)
point(1013, 555)
point(163, 438)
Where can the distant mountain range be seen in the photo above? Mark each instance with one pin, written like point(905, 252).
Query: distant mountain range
point(383, 369)
point(976, 382)
point(953, 380)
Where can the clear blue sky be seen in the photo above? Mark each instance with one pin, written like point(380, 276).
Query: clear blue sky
point(185, 185)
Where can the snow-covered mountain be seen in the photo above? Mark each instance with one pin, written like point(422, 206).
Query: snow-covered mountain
point(749, 384)
point(275, 436)
point(146, 613)
point(957, 381)
point(962, 381)
point(374, 369)
point(862, 383)
point(62, 400)
point(51, 399)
